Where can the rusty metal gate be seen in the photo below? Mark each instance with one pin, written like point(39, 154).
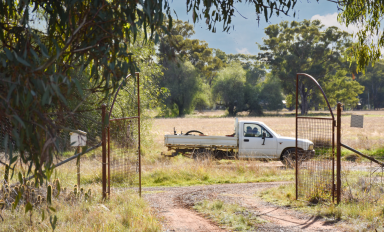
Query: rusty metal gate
point(121, 147)
point(315, 173)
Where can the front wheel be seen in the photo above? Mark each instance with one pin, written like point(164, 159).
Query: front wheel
point(289, 158)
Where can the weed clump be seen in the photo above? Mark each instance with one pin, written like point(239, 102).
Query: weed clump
point(232, 216)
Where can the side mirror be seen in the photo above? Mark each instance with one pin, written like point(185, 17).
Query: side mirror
point(263, 138)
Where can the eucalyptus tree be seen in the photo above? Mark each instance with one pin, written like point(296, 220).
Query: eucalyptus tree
point(296, 47)
point(229, 88)
point(232, 90)
point(40, 67)
point(367, 16)
point(177, 45)
point(341, 87)
point(373, 81)
point(182, 83)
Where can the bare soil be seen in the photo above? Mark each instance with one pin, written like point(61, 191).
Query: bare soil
point(174, 205)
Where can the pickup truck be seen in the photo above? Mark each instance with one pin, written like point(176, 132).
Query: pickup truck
point(250, 140)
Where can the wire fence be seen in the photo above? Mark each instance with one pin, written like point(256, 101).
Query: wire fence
point(362, 182)
point(123, 148)
point(316, 172)
point(123, 139)
point(83, 118)
point(362, 177)
point(6, 141)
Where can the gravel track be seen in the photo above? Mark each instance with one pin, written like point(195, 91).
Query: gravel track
point(174, 205)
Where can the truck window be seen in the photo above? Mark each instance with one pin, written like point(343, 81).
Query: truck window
point(267, 134)
point(255, 130)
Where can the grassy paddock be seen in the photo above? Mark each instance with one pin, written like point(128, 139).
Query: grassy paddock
point(362, 213)
point(369, 139)
point(184, 171)
point(231, 216)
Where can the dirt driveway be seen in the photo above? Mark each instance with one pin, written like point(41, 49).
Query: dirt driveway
point(174, 205)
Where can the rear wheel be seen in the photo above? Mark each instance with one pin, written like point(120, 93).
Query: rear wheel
point(202, 154)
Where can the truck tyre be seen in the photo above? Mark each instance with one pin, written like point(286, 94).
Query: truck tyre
point(202, 154)
point(289, 158)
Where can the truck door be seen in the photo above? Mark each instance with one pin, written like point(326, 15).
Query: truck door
point(252, 145)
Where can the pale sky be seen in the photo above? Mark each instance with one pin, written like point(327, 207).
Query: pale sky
point(247, 31)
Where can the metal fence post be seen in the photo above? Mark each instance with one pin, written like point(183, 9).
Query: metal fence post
point(138, 114)
point(338, 150)
point(109, 164)
point(104, 151)
point(296, 136)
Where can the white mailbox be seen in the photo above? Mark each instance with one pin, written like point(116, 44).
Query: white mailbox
point(78, 139)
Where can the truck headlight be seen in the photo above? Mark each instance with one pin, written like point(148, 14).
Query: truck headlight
point(310, 147)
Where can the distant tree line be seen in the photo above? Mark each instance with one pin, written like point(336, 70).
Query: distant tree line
point(196, 76)
point(199, 77)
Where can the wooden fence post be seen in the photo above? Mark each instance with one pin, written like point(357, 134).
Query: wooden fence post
point(79, 150)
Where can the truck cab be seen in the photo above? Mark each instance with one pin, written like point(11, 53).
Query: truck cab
point(257, 140)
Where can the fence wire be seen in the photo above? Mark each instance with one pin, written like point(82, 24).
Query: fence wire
point(6, 141)
point(85, 117)
point(362, 182)
point(123, 154)
point(88, 121)
point(362, 179)
point(124, 140)
point(316, 174)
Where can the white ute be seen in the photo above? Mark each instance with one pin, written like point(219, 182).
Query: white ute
point(251, 140)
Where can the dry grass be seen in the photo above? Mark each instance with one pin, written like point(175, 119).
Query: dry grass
point(181, 171)
point(122, 212)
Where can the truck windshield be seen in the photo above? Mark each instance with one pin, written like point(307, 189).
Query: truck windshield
point(255, 130)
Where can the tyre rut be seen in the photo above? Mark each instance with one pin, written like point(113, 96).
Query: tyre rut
point(174, 205)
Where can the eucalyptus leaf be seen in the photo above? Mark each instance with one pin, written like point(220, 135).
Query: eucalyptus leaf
point(21, 60)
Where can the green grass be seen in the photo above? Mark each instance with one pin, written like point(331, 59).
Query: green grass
point(377, 153)
point(231, 216)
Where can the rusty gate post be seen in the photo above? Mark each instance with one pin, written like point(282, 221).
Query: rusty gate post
point(138, 114)
point(297, 107)
point(338, 150)
point(104, 152)
point(333, 160)
point(109, 164)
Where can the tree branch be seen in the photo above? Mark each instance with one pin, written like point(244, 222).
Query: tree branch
point(52, 59)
